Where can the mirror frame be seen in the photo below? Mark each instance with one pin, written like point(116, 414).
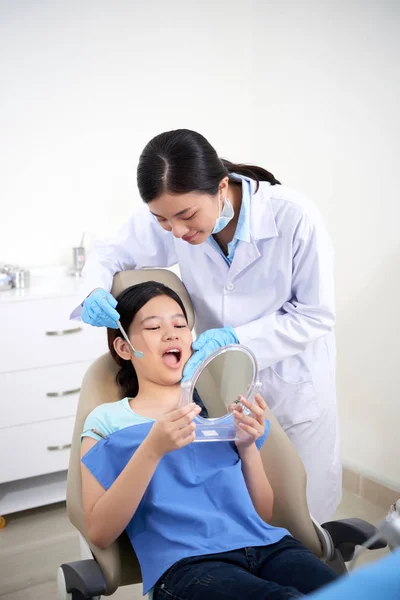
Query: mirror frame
point(219, 351)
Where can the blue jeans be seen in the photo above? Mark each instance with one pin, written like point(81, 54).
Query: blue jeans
point(276, 572)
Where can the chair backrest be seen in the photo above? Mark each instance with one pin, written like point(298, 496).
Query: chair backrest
point(281, 461)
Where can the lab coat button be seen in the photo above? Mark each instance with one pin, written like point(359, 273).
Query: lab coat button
point(230, 287)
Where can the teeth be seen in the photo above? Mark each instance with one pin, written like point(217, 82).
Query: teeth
point(172, 351)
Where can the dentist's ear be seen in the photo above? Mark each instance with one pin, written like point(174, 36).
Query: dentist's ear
point(122, 348)
point(223, 187)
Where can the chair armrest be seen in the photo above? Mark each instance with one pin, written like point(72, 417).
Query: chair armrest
point(84, 576)
point(349, 533)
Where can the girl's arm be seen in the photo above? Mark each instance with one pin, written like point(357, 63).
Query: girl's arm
point(257, 482)
point(253, 428)
point(107, 513)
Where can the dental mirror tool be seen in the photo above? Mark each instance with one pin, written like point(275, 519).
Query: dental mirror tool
point(137, 353)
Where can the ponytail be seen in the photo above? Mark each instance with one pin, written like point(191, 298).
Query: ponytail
point(127, 378)
point(251, 171)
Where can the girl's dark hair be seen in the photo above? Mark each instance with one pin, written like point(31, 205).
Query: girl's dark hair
point(130, 301)
point(183, 161)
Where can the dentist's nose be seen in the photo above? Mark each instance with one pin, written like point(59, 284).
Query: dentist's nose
point(179, 230)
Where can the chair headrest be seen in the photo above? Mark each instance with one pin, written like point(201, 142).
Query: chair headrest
point(125, 279)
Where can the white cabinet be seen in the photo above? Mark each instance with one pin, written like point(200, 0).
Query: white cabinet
point(43, 358)
point(35, 449)
point(38, 334)
point(40, 394)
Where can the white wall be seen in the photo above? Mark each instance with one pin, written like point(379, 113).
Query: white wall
point(308, 89)
point(85, 85)
point(326, 121)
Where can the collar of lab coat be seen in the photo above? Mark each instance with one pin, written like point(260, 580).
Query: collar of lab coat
point(262, 219)
point(263, 224)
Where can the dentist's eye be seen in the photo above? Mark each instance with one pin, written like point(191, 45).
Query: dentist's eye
point(189, 218)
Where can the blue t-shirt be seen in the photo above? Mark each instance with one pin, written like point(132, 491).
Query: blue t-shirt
point(196, 503)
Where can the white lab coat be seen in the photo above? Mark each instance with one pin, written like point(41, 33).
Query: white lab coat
point(278, 294)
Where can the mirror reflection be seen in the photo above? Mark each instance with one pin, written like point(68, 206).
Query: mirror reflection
point(221, 381)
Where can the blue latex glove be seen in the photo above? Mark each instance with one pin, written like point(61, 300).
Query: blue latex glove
point(205, 344)
point(99, 309)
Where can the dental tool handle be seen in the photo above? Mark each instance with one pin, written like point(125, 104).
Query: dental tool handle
point(185, 395)
point(137, 353)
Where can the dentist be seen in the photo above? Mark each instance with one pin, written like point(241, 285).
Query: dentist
point(257, 261)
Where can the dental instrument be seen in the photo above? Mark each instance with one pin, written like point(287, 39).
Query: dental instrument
point(137, 353)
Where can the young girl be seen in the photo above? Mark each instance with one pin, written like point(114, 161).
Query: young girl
point(196, 514)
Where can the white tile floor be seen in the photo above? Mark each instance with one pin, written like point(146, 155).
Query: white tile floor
point(34, 543)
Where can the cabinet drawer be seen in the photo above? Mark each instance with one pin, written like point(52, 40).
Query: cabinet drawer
point(37, 333)
point(36, 449)
point(40, 394)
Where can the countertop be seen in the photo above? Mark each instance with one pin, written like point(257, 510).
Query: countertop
point(45, 282)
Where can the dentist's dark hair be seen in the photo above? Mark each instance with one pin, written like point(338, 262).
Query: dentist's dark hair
point(130, 301)
point(183, 161)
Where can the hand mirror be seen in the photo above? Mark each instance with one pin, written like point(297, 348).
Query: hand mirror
point(227, 373)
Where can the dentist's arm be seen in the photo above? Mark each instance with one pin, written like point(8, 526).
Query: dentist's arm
point(310, 313)
point(141, 242)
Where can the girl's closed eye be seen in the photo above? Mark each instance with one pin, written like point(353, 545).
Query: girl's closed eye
point(189, 218)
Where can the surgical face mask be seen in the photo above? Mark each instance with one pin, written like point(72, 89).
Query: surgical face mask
point(225, 216)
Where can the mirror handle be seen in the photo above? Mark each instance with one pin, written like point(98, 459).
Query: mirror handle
point(185, 395)
point(254, 389)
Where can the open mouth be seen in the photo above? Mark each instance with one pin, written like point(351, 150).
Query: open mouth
point(172, 358)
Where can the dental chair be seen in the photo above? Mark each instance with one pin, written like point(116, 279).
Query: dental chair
point(101, 572)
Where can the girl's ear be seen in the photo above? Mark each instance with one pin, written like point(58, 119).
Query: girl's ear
point(122, 348)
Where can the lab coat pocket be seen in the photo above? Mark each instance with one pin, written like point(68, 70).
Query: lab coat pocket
point(291, 394)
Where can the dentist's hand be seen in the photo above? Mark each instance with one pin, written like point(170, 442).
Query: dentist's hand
point(99, 309)
point(205, 344)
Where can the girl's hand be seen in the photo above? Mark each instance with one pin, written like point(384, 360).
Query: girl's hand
point(174, 430)
point(249, 427)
